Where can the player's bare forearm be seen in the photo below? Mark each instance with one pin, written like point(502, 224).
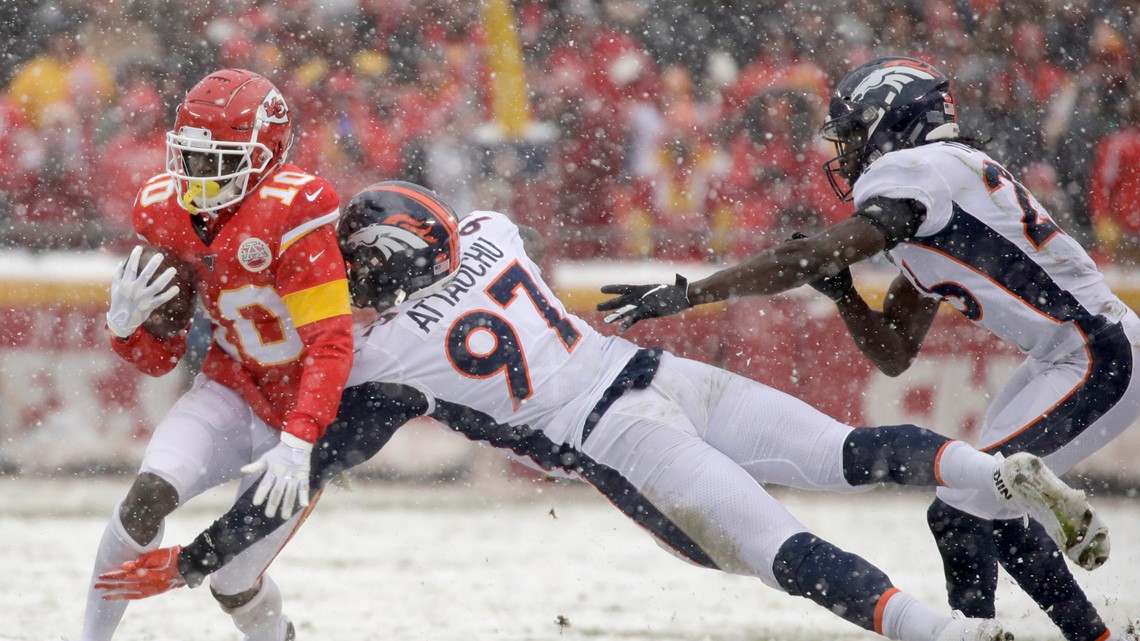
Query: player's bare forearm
point(769, 272)
point(891, 338)
point(876, 336)
point(793, 263)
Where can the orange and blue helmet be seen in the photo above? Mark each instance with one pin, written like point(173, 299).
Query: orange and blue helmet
point(400, 242)
point(882, 106)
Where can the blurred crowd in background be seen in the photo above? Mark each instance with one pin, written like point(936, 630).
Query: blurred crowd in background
point(665, 130)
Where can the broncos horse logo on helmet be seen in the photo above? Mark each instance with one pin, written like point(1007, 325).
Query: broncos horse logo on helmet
point(401, 242)
point(387, 239)
point(881, 106)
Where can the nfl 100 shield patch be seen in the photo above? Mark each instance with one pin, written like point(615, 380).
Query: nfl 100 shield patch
point(254, 254)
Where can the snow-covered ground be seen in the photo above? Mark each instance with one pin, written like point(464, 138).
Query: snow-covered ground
point(497, 561)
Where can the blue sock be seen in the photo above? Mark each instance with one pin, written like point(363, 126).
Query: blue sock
point(902, 454)
point(842, 582)
point(1038, 566)
point(969, 558)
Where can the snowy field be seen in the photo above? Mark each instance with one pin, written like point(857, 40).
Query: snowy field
point(501, 561)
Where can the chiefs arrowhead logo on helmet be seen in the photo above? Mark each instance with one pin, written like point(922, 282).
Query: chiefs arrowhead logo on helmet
point(232, 130)
point(275, 108)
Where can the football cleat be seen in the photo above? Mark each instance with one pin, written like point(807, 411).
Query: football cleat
point(963, 628)
point(1064, 511)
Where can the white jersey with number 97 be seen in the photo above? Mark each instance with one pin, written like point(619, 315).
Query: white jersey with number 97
point(496, 340)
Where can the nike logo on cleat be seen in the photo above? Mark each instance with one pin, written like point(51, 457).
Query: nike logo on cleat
point(1000, 486)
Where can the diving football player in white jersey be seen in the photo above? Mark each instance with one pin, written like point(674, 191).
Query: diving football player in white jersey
point(679, 446)
point(960, 229)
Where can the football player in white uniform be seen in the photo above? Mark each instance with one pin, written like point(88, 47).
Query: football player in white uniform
point(681, 447)
point(960, 229)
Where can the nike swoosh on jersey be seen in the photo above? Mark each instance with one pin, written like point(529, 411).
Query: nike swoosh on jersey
point(313, 196)
point(314, 257)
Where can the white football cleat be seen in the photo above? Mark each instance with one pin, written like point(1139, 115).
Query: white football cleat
point(963, 628)
point(1064, 511)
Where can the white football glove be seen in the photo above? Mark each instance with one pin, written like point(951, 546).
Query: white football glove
point(134, 295)
point(286, 480)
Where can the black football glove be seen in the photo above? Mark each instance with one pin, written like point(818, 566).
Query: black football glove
point(835, 287)
point(635, 302)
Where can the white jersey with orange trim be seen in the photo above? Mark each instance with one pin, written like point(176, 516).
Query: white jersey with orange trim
point(497, 338)
point(989, 248)
point(681, 447)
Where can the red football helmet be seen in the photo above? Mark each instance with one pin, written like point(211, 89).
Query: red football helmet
point(232, 129)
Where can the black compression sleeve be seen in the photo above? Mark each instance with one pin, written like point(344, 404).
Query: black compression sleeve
point(897, 218)
point(369, 415)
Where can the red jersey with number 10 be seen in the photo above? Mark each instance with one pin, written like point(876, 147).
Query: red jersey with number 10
point(273, 282)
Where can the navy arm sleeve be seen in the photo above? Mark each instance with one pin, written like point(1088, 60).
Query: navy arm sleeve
point(897, 218)
point(369, 415)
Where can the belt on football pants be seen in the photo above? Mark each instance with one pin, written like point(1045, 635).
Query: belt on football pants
point(638, 373)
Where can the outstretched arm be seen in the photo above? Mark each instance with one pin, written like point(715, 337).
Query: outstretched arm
point(878, 224)
point(794, 263)
point(369, 414)
point(368, 417)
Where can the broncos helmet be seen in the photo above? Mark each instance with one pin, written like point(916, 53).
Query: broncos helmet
point(401, 242)
point(881, 106)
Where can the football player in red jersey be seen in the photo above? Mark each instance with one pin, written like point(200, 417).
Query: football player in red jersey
point(260, 235)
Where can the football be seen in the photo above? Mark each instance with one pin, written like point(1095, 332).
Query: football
point(174, 315)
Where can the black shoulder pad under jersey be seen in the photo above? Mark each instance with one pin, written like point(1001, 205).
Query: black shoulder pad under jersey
point(897, 218)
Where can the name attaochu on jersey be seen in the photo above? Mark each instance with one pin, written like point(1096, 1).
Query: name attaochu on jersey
point(478, 259)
